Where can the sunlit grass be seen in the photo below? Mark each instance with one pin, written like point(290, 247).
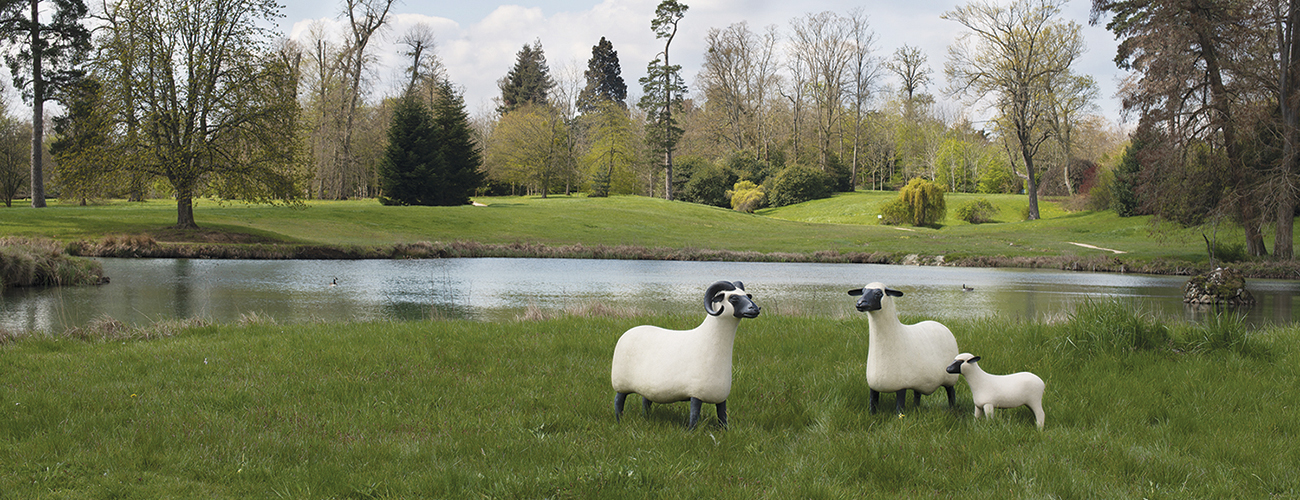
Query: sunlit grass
point(523, 409)
point(841, 225)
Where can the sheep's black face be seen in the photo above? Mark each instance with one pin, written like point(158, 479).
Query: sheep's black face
point(955, 367)
point(870, 300)
point(744, 306)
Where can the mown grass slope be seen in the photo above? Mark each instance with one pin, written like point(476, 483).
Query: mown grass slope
point(842, 224)
point(524, 410)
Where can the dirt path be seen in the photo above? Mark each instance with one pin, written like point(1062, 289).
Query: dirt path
point(1085, 245)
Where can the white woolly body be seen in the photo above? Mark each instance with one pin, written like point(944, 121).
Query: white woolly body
point(990, 391)
point(667, 366)
point(907, 356)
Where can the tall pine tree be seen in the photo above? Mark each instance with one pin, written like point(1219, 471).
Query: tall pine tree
point(528, 82)
point(44, 56)
point(461, 156)
point(604, 79)
point(411, 167)
point(431, 157)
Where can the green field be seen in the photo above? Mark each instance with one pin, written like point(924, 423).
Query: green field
point(1135, 409)
point(843, 224)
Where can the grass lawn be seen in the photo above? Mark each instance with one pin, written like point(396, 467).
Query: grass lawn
point(842, 224)
point(456, 409)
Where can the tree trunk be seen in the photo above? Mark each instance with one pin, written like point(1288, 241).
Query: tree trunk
point(185, 208)
point(38, 111)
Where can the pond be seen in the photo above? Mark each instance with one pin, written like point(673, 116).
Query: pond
point(290, 291)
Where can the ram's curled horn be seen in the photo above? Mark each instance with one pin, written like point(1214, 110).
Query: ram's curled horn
point(714, 289)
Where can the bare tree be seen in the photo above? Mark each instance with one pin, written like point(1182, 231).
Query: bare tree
point(822, 41)
point(1010, 54)
point(426, 69)
point(365, 19)
point(865, 69)
point(913, 74)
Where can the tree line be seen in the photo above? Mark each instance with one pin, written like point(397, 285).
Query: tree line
point(200, 99)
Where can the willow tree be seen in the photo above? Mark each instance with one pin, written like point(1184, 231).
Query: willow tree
point(1009, 55)
point(218, 102)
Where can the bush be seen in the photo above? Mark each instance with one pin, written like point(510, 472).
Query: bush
point(708, 186)
point(895, 212)
point(977, 212)
point(747, 197)
point(797, 184)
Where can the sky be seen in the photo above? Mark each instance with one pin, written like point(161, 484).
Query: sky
point(477, 41)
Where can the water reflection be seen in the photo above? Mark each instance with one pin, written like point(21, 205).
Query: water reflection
point(148, 290)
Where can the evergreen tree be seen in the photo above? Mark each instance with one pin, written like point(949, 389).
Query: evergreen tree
point(43, 56)
point(604, 79)
point(431, 157)
point(461, 156)
point(411, 166)
point(664, 88)
point(528, 82)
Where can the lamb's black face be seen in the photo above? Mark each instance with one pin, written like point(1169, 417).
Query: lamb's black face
point(955, 367)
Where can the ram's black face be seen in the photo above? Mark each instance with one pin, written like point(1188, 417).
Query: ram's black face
point(744, 306)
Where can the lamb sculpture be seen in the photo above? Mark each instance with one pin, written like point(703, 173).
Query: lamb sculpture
point(902, 357)
point(667, 366)
point(1000, 391)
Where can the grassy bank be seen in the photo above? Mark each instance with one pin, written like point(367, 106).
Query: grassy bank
point(43, 262)
point(523, 409)
point(838, 229)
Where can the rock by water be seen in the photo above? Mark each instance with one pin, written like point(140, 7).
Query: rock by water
point(1220, 286)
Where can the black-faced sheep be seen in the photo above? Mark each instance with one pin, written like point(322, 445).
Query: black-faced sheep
point(1000, 391)
point(667, 366)
point(902, 357)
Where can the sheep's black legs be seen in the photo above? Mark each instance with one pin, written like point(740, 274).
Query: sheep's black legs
point(900, 401)
point(952, 396)
point(645, 406)
point(916, 399)
point(619, 399)
point(696, 404)
point(875, 401)
point(722, 413)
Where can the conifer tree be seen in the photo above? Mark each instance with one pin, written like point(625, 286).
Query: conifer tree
point(411, 166)
point(431, 157)
point(604, 79)
point(462, 157)
point(528, 82)
point(44, 57)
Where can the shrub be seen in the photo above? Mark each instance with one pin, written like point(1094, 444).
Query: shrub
point(977, 212)
point(747, 196)
point(797, 184)
point(894, 212)
point(746, 166)
point(709, 187)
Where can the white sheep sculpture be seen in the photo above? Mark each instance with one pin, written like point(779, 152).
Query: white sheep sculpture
point(668, 366)
point(1000, 391)
point(902, 357)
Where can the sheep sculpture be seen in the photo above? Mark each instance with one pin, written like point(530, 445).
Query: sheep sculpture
point(902, 357)
point(668, 366)
point(1000, 391)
